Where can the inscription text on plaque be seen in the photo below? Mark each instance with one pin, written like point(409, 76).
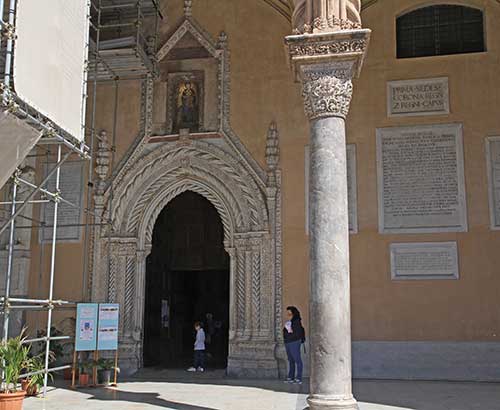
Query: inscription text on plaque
point(68, 218)
point(418, 97)
point(431, 260)
point(421, 179)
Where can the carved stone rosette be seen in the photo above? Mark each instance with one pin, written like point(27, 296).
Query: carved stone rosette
point(326, 64)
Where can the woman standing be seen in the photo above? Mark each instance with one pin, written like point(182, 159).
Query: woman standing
point(294, 336)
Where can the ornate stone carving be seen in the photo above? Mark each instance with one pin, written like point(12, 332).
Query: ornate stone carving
point(327, 48)
point(326, 64)
point(331, 47)
point(102, 161)
point(314, 16)
point(327, 89)
point(188, 8)
point(272, 147)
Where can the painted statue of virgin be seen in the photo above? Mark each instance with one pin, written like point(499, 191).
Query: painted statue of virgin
point(187, 115)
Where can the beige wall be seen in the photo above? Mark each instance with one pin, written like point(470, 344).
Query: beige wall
point(263, 90)
point(466, 309)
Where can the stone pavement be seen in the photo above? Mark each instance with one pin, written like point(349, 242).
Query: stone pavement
point(211, 391)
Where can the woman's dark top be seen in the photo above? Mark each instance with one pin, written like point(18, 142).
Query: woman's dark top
point(298, 332)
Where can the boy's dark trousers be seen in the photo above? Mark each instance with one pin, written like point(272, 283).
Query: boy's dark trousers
point(199, 358)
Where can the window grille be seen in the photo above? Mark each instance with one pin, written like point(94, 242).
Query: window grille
point(440, 30)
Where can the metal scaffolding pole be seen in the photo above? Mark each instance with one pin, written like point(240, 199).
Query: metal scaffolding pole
point(52, 272)
point(6, 312)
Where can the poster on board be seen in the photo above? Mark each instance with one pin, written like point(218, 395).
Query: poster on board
point(107, 334)
point(86, 327)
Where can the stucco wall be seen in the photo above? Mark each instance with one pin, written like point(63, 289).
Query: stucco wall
point(466, 309)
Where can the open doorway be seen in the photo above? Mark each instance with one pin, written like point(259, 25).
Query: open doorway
point(187, 280)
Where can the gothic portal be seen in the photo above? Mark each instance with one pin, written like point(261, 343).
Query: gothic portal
point(187, 144)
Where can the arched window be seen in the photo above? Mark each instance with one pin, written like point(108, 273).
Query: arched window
point(440, 30)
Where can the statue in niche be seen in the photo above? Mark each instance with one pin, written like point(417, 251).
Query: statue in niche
point(187, 106)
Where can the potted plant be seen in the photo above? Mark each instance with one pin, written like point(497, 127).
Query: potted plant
point(14, 358)
point(32, 384)
point(105, 367)
point(85, 369)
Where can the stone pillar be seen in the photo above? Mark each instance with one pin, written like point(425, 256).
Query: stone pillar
point(326, 63)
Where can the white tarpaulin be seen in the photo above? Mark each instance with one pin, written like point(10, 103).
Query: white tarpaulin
point(49, 58)
point(16, 140)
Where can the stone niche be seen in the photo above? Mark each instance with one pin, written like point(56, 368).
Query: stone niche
point(185, 94)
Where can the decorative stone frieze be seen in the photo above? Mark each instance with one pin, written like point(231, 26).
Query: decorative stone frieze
point(350, 45)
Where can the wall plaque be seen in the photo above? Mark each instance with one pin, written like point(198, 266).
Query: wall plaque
point(428, 96)
point(352, 187)
point(493, 164)
point(421, 179)
point(69, 218)
point(431, 260)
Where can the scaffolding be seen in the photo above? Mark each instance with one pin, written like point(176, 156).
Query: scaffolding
point(53, 138)
point(118, 49)
point(119, 43)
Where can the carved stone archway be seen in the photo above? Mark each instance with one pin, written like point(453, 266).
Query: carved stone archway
point(247, 208)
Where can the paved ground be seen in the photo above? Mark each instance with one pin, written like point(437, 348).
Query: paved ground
point(211, 391)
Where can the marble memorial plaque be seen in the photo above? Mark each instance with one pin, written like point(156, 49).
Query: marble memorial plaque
point(421, 179)
point(71, 187)
point(418, 97)
point(493, 164)
point(431, 260)
point(352, 187)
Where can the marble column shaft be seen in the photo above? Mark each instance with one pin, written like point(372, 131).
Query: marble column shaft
point(329, 308)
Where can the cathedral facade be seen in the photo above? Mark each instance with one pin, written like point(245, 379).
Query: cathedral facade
point(228, 115)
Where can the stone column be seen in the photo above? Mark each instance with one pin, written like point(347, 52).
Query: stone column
point(326, 63)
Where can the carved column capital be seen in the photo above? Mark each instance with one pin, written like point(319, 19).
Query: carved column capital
point(327, 89)
point(326, 64)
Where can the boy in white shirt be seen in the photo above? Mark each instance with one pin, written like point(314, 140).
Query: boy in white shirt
point(199, 350)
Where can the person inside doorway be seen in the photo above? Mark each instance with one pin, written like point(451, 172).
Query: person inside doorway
point(294, 336)
point(199, 349)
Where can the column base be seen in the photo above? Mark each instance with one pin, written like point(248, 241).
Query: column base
point(324, 403)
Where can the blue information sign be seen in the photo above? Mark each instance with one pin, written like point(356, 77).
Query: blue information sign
point(107, 335)
point(86, 327)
